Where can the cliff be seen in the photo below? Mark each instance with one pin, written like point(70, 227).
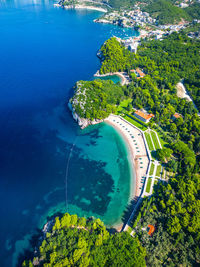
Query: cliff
point(82, 122)
point(93, 101)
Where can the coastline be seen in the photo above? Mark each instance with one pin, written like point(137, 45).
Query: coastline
point(100, 9)
point(119, 74)
point(136, 158)
point(134, 192)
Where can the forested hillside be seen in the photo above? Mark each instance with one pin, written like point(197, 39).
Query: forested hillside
point(174, 208)
point(76, 241)
point(194, 10)
point(96, 99)
point(115, 57)
point(121, 3)
point(166, 12)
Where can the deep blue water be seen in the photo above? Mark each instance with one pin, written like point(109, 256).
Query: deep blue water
point(47, 164)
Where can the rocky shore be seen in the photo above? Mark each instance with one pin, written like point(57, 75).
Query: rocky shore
point(82, 122)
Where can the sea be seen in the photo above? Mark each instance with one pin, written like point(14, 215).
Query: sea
point(48, 165)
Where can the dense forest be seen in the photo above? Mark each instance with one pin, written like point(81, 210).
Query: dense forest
point(166, 12)
point(76, 241)
point(96, 99)
point(174, 210)
point(115, 57)
point(121, 3)
point(193, 10)
point(175, 207)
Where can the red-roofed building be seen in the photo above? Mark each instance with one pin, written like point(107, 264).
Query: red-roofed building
point(151, 229)
point(138, 73)
point(145, 117)
point(176, 116)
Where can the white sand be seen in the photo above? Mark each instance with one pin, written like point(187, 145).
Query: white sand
point(86, 7)
point(139, 157)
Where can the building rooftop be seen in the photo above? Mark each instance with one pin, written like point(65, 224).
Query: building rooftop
point(141, 73)
point(143, 115)
point(151, 229)
point(177, 115)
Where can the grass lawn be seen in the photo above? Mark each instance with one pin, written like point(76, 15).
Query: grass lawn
point(161, 137)
point(151, 169)
point(135, 122)
point(123, 105)
point(149, 142)
point(155, 140)
point(158, 171)
point(148, 185)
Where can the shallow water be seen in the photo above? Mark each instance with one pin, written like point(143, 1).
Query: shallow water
point(47, 164)
point(114, 78)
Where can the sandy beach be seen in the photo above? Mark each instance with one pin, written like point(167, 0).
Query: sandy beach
point(139, 155)
point(100, 9)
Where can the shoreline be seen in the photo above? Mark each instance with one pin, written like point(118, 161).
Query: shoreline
point(134, 175)
point(100, 9)
point(131, 159)
point(138, 172)
point(119, 74)
point(133, 172)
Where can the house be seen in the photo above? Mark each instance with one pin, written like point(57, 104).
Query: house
point(139, 73)
point(143, 116)
point(151, 229)
point(183, 5)
point(133, 47)
point(176, 116)
point(158, 36)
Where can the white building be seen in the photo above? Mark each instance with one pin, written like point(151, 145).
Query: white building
point(183, 5)
point(133, 47)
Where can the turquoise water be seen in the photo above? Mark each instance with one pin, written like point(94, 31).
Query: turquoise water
point(114, 78)
point(47, 164)
point(98, 177)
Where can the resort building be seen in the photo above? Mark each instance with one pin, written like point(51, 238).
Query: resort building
point(176, 116)
point(138, 73)
point(143, 116)
point(151, 229)
point(133, 47)
point(131, 44)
